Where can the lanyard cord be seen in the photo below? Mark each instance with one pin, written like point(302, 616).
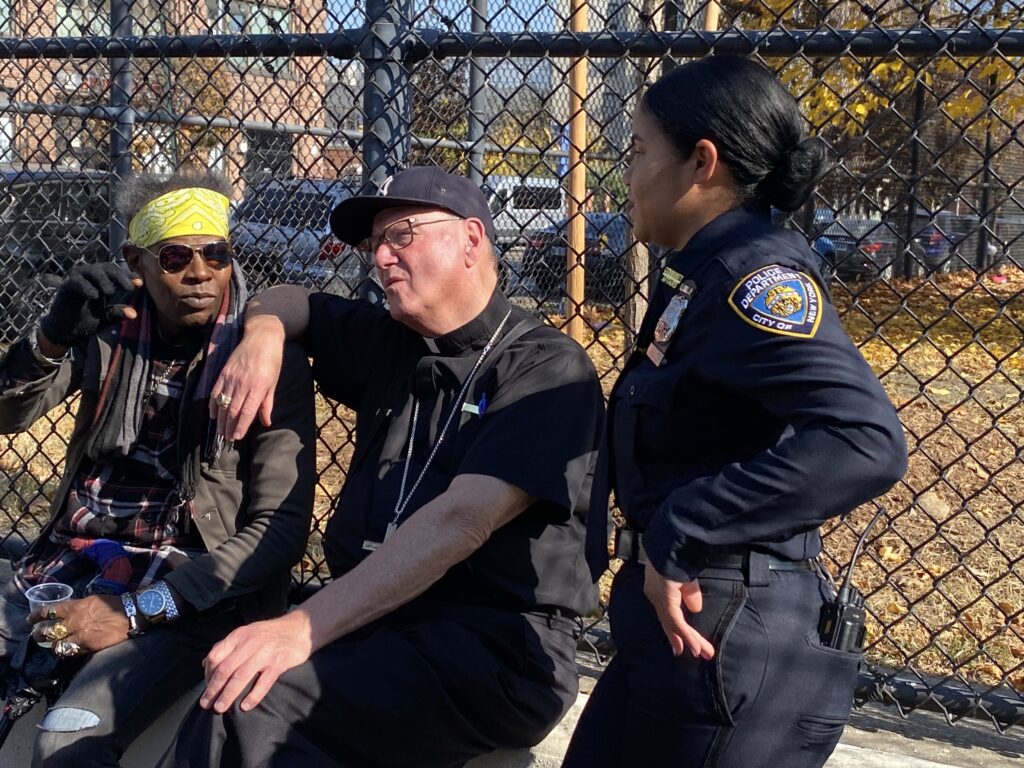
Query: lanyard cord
point(403, 500)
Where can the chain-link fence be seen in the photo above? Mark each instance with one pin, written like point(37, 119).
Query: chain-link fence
point(918, 226)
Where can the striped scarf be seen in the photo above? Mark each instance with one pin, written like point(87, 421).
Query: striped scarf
point(120, 405)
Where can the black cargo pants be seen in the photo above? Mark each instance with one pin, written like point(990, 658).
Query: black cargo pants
point(429, 687)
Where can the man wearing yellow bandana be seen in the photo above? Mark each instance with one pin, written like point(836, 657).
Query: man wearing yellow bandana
point(169, 537)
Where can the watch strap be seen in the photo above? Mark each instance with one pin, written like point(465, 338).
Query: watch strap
point(171, 612)
point(128, 602)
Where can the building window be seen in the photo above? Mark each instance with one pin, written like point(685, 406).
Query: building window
point(8, 153)
point(157, 144)
point(6, 16)
point(215, 160)
point(268, 156)
point(82, 18)
point(246, 17)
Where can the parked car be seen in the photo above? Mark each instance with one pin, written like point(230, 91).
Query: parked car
point(521, 207)
point(280, 235)
point(947, 241)
point(51, 219)
point(607, 239)
point(864, 248)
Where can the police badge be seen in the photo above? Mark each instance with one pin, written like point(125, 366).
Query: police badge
point(668, 323)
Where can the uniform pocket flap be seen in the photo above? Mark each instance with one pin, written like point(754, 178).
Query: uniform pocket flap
point(653, 389)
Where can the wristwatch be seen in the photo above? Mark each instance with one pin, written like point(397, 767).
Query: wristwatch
point(156, 603)
point(129, 610)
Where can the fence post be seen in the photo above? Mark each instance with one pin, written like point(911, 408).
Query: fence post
point(124, 121)
point(385, 92)
point(477, 99)
point(982, 261)
point(385, 101)
point(915, 169)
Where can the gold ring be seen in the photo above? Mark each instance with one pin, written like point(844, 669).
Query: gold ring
point(52, 614)
point(223, 400)
point(57, 631)
point(65, 648)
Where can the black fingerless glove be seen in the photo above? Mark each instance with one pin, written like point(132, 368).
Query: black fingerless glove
point(91, 295)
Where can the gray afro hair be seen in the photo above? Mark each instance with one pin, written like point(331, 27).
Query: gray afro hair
point(141, 188)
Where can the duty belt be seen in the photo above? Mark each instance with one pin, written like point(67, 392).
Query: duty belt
point(629, 545)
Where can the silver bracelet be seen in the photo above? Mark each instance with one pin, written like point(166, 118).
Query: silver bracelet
point(37, 353)
point(128, 603)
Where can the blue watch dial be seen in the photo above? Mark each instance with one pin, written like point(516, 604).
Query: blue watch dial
point(151, 602)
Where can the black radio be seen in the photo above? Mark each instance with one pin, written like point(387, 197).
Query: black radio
point(841, 625)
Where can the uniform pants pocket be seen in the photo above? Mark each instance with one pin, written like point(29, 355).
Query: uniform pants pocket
point(815, 729)
point(737, 672)
point(826, 702)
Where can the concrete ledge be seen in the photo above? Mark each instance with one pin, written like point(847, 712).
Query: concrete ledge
point(151, 745)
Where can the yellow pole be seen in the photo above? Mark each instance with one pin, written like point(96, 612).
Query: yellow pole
point(711, 16)
point(577, 180)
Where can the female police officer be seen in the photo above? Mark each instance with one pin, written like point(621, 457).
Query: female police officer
point(745, 420)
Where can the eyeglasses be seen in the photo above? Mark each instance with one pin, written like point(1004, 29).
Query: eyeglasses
point(175, 257)
point(398, 235)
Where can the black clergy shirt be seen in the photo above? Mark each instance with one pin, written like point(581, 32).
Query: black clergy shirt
point(540, 409)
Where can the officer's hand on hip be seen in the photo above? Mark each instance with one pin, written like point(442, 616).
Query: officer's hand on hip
point(672, 600)
point(92, 294)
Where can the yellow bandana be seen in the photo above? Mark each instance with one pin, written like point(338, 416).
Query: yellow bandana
point(192, 211)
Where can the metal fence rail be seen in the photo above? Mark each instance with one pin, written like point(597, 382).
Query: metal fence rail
point(918, 226)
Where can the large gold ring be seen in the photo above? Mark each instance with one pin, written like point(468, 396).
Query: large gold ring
point(223, 400)
point(56, 631)
point(65, 648)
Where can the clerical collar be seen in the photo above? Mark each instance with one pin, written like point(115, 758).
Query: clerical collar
point(475, 333)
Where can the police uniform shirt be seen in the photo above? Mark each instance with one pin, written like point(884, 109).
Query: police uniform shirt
point(531, 418)
point(762, 421)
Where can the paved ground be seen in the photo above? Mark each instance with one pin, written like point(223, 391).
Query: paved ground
point(876, 738)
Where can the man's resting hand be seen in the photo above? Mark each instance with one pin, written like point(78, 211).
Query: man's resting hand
point(257, 653)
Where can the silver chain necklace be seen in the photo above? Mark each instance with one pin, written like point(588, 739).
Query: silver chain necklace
point(155, 382)
point(403, 499)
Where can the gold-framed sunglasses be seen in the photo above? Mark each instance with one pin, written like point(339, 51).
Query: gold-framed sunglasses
point(175, 257)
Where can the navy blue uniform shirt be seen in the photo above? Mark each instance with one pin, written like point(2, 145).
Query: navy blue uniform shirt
point(762, 421)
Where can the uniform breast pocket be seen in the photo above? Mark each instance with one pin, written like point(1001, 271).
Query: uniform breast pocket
point(648, 399)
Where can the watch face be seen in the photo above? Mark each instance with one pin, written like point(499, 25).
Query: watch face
point(151, 602)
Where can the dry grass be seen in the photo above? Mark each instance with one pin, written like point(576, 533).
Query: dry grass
point(944, 578)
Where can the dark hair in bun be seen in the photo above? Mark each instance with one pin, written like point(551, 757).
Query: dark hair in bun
point(753, 121)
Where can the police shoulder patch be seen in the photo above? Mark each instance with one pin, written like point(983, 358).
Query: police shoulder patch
point(778, 300)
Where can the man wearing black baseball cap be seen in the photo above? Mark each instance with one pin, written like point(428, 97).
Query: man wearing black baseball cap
point(428, 186)
point(456, 548)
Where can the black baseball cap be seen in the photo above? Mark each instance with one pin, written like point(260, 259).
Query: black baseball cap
point(427, 185)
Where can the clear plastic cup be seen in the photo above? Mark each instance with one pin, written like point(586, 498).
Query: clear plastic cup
point(42, 596)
